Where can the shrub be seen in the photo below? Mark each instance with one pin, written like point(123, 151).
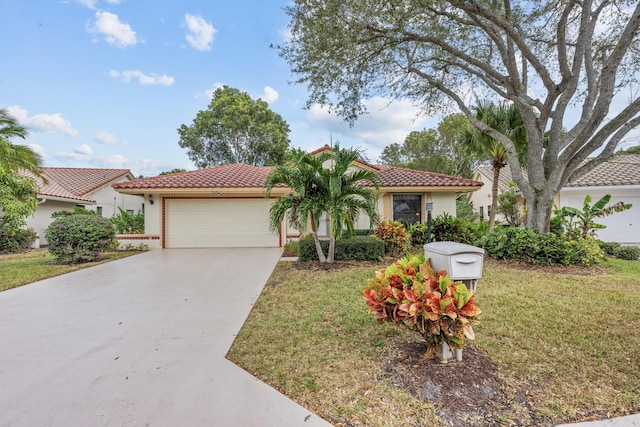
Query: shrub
point(78, 210)
point(14, 239)
point(358, 248)
point(128, 223)
point(610, 248)
point(447, 228)
point(533, 247)
point(630, 253)
point(394, 235)
point(411, 293)
point(79, 238)
point(419, 234)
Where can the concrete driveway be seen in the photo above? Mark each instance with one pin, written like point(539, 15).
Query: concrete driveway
point(137, 342)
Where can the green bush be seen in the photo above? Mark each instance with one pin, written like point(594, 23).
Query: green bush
point(395, 236)
point(418, 234)
point(630, 253)
point(533, 247)
point(78, 210)
point(128, 223)
point(609, 248)
point(447, 228)
point(80, 238)
point(15, 239)
point(359, 248)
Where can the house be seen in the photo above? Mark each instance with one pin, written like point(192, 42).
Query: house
point(619, 177)
point(225, 206)
point(90, 188)
point(482, 198)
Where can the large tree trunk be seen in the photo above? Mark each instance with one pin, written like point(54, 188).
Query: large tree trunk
point(316, 240)
point(539, 211)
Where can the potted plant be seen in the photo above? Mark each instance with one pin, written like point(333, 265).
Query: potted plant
point(411, 293)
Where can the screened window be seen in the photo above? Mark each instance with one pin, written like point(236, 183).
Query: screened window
point(407, 208)
point(481, 212)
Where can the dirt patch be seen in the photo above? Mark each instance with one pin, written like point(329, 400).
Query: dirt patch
point(469, 393)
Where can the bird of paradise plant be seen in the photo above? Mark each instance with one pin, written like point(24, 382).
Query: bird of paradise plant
point(411, 293)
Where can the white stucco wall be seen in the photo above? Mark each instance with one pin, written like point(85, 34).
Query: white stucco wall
point(110, 200)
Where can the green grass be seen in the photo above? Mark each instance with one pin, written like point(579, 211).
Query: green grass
point(571, 339)
point(28, 267)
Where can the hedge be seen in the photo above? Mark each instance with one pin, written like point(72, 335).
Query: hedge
point(358, 248)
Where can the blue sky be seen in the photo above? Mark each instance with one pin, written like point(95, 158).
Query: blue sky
point(106, 83)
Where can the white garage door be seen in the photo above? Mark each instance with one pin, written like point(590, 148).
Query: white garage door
point(622, 227)
point(218, 223)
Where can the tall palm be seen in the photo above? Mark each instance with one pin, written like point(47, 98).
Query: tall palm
point(347, 194)
point(335, 188)
point(305, 203)
point(506, 119)
point(16, 157)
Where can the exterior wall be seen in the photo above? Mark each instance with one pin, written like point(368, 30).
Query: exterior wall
point(483, 197)
point(443, 203)
point(42, 217)
point(622, 227)
point(152, 214)
point(136, 241)
point(110, 200)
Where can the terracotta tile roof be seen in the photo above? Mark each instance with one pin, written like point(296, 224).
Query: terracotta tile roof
point(400, 177)
point(246, 176)
point(76, 183)
point(620, 170)
point(226, 176)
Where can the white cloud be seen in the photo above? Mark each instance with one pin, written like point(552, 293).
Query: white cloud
point(108, 139)
point(286, 35)
point(83, 149)
point(47, 123)
point(143, 79)
point(200, 32)
point(89, 4)
point(114, 1)
point(386, 122)
point(39, 149)
point(270, 95)
point(114, 31)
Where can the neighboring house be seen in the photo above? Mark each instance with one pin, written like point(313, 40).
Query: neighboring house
point(225, 206)
point(619, 177)
point(482, 198)
point(90, 188)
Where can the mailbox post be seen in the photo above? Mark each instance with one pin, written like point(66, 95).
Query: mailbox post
point(462, 263)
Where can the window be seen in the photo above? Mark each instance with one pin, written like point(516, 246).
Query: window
point(488, 211)
point(130, 211)
point(481, 213)
point(407, 208)
point(99, 210)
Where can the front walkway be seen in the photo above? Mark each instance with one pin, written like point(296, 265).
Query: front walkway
point(139, 341)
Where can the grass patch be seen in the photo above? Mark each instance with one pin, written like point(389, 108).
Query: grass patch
point(310, 337)
point(28, 267)
point(570, 339)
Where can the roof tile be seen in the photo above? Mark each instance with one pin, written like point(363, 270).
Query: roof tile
point(76, 183)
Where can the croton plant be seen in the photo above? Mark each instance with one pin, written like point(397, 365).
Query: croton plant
point(410, 292)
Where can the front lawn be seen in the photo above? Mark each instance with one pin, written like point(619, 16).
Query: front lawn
point(28, 267)
point(552, 346)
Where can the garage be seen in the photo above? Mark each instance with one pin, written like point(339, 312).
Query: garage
point(218, 223)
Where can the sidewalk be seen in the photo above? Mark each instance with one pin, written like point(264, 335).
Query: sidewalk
point(626, 421)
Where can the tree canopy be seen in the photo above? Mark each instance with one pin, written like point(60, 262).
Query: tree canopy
point(17, 191)
point(235, 129)
point(560, 63)
point(434, 150)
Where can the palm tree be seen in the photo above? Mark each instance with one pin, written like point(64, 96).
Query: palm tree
point(337, 189)
point(506, 119)
point(348, 197)
point(14, 158)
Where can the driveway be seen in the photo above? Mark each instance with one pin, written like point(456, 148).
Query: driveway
point(139, 341)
